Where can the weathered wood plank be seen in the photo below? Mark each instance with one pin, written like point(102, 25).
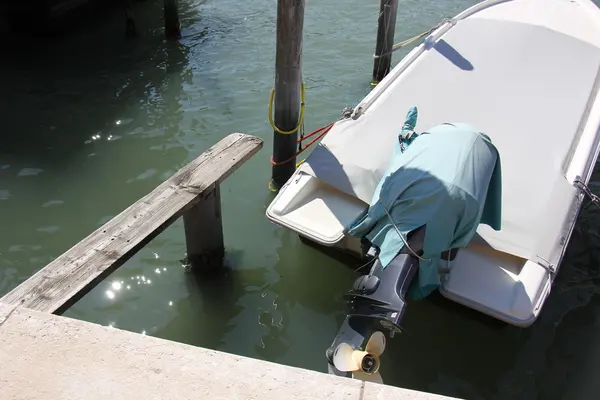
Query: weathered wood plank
point(62, 282)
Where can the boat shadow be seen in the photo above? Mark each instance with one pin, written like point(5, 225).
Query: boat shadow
point(451, 54)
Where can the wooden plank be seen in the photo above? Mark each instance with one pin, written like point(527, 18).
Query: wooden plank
point(62, 282)
point(204, 231)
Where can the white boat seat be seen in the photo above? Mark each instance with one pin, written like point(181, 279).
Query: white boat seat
point(502, 285)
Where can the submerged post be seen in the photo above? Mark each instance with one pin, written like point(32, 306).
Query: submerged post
point(172, 23)
point(130, 28)
point(385, 40)
point(288, 89)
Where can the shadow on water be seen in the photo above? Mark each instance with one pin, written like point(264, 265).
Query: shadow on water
point(80, 106)
point(213, 300)
point(308, 288)
point(67, 89)
point(263, 311)
point(570, 355)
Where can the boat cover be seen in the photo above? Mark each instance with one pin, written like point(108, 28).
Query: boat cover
point(448, 179)
point(515, 81)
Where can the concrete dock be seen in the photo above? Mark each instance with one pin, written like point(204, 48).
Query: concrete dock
point(45, 356)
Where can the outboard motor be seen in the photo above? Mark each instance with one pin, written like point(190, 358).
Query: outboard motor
point(439, 180)
point(376, 304)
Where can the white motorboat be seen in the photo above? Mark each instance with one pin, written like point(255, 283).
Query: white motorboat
point(526, 75)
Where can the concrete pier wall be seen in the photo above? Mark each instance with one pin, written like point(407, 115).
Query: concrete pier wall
point(44, 356)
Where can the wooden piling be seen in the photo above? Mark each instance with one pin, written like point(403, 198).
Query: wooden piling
point(204, 231)
point(288, 89)
point(130, 28)
point(172, 22)
point(386, 28)
point(192, 192)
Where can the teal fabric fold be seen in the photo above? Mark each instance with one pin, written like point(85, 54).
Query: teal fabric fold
point(448, 179)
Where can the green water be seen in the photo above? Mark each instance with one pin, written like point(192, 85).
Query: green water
point(91, 122)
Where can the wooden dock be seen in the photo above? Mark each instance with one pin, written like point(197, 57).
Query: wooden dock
point(192, 193)
point(46, 356)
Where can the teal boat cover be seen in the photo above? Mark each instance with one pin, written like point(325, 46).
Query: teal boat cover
point(447, 179)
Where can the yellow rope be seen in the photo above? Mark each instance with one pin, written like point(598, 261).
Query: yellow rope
point(300, 120)
point(406, 42)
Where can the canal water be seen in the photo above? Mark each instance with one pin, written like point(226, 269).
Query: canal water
point(92, 121)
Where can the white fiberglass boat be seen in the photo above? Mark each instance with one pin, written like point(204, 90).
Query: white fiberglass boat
point(526, 75)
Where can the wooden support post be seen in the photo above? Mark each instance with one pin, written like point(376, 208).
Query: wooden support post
point(386, 28)
point(204, 231)
point(288, 87)
point(130, 28)
point(172, 23)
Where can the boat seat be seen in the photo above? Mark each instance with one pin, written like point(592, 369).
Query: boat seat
point(316, 210)
point(509, 288)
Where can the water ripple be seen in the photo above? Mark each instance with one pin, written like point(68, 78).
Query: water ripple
point(53, 203)
point(30, 171)
point(48, 229)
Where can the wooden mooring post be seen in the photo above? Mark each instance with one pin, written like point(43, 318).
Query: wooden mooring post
point(288, 89)
point(171, 19)
point(193, 192)
point(386, 27)
point(172, 22)
point(130, 28)
point(204, 230)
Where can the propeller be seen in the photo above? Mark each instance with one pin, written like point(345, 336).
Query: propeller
point(364, 364)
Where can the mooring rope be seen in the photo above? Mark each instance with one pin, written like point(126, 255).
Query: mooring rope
point(300, 119)
point(323, 131)
point(408, 41)
point(586, 190)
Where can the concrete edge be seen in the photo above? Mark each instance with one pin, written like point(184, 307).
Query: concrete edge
point(48, 356)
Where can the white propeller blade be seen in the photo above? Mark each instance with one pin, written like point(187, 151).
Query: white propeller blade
point(344, 360)
point(363, 376)
point(376, 344)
